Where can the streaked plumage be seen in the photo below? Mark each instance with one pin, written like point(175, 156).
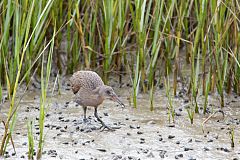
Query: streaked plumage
point(91, 91)
point(85, 79)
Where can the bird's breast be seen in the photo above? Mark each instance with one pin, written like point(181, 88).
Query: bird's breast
point(89, 100)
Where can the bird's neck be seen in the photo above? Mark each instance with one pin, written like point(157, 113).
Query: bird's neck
point(97, 93)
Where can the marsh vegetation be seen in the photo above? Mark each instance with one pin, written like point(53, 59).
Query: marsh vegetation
point(186, 50)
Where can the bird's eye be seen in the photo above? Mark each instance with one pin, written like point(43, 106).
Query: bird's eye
point(108, 92)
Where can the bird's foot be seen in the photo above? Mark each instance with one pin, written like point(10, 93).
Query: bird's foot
point(86, 121)
point(104, 126)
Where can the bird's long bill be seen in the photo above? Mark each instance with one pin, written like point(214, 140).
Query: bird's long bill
point(115, 98)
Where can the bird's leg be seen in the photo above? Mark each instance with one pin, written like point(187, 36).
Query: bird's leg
point(84, 114)
point(103, 124)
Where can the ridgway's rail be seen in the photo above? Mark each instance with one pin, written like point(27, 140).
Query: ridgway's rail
point(90, 90)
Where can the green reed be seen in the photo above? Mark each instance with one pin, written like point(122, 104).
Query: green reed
point(171, 111)
point(155, 49)
point(30, 141)
point(16, 61)
point(71, 57)
point(43, 99)
point(201, 15)
point(221, 62)
point(100, 35)
point(121, 57)
point(108, 21)
point(136, 82)
point(206, 92)
point(140, 16)
point(191, 113)
point(90, 38)
point(195, 82)
point(178, 36)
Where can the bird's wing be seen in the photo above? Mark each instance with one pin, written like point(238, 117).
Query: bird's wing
point(86, 80)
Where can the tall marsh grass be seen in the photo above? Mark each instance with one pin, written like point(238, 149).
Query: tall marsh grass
point(147, 39)
point(14, 55)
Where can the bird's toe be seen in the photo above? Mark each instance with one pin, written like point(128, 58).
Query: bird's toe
point(103, 127)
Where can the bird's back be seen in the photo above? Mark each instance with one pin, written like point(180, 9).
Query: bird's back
point(87, 80)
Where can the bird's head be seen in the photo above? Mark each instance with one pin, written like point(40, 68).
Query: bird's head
point(108, 93)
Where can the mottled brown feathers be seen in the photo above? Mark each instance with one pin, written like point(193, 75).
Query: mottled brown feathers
point(88, 80)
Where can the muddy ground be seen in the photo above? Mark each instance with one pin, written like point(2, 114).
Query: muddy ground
point(144, 134)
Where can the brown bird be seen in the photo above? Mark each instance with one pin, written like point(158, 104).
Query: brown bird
point(90, 90)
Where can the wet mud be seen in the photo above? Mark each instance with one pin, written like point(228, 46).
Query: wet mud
point(142, 134)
